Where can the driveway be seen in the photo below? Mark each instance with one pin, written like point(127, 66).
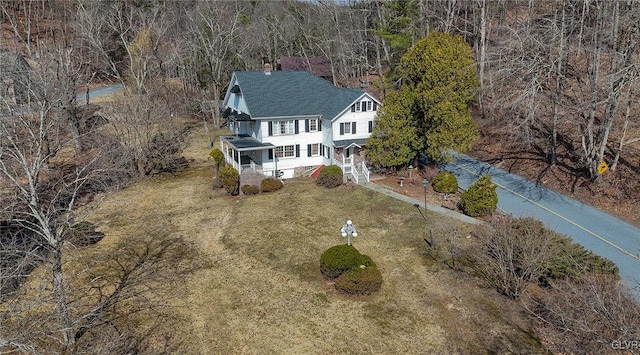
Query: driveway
point(597, 231)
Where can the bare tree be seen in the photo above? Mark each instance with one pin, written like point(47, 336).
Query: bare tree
point(29, 142)
point(596, 312)
point(623, 140)
point(144, 128)
point(140, 30)
point(513, 255)
point(215, 27)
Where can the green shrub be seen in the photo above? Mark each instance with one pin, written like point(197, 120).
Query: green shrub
point(330, 176)
point(573, 261)
point(218, 158)
point(362, 280)
point(340, 258)
point(270, 184)
point(250, 189)
point(445, 182)
point(230, 179)
point(480, 199)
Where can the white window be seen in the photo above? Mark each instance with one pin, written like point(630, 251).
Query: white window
point(287, 151)
point(347, 128)
point(283, 127)
point(313, 125)
point(369, 105)
point(315, 150)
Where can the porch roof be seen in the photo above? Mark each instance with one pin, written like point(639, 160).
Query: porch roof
point(350, 142)
point(243, 143)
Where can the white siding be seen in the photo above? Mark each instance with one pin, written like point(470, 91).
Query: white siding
point(288, 164)
point(360, 118)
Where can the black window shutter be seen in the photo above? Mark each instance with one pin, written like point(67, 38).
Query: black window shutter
point(353, 128)
point(370, 126)
point(322, 149)
point(297, 150)
point(341, 129)
point(306, 125)
point(375, 106)
point(319, 125)
point(353, 108)
point(270, 130)
point(270, 153)
point(364, 106)
point(308, 150)
point(297, 127)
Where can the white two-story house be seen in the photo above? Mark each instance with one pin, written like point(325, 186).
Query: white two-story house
point(288, 123)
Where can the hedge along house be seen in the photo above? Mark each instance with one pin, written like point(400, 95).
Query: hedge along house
point(289, 123)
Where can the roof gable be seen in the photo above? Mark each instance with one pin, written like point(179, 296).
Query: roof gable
point(292, 93)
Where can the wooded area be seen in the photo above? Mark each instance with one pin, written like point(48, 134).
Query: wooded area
point(557, 78)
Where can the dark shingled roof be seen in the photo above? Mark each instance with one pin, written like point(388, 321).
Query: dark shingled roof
point(293, 93)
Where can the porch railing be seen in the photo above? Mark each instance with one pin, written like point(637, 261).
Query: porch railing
point(351, 171)
point(365, 172)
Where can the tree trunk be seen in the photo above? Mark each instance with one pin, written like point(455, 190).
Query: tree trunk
point(59, 295)
point(625, 125)
point(483, 53)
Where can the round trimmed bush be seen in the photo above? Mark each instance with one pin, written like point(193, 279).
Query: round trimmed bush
point(270, 184)
point(480, 199)
point(362, 280)
point(330, 176)
point(445, 182)
point(250, 189)
point(338, 259)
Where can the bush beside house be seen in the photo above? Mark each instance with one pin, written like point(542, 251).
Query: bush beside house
point(330, 176)
point(230, 179)
point(270, 184)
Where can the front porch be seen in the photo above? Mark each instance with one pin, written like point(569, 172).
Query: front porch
point(244, 153)
point(349, 156)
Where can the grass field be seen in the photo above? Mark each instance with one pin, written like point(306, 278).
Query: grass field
point(262, 292)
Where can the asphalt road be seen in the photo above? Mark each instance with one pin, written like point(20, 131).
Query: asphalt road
point(80, 97)
point(597, 231)
point(105, 90)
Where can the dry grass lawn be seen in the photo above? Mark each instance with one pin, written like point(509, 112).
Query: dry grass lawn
point(262, 291)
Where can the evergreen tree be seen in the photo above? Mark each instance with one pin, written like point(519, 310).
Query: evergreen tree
point(397, 28)
point(395, 139)
point(430, 112)
point(481, 198)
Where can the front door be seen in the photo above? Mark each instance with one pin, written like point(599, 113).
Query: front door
point(348, 156)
